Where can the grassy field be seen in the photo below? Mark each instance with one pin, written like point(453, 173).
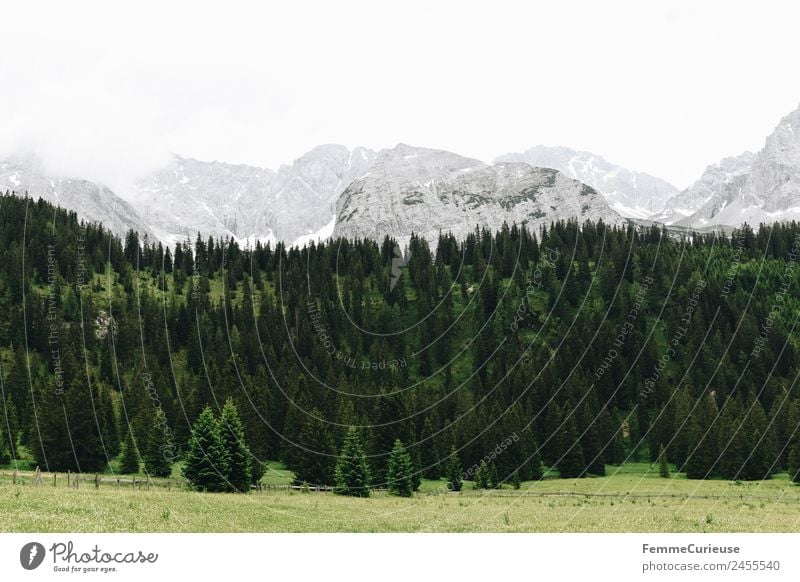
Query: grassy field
point(631, 499)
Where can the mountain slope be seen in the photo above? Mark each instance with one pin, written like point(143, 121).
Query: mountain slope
point(295, 203)
point(632, 194)
point(92, 202)
point(426, 191)
point(752, 188)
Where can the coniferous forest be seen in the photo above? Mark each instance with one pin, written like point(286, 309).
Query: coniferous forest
point(505, 357)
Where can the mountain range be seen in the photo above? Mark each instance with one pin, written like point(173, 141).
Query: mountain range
point(336, 191)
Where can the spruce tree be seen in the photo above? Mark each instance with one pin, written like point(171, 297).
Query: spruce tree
point(734, 441)
point(5, 454)
point(680, 445)
point(239, 456)
point(129, 463)
point(571, 464)
point(794, 463)
point(10, 425)
point(454, 472)
point(315, 455)
point(663, 467)
point(352, 472)
point(494, 477)
point(430, 452)
point(702, 434)
point(481, 477)
point(160, 448)
point(207, 460)
point(400, 471)
point(763, 456)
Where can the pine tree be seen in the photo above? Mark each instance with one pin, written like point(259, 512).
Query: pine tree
point(207, 460)
point(481, 477)
point(680, 445)
point(494, 477)
point(430, 452)
point(702, 434)
point(9, 422)
point(734, 442)
point(239, 456)
point(794, 463)
point(571, 464)
point(315, 454)
point(160, 449)
point(663, 467)
point(454, 472)
point(763, 456)
point(400, 471)
point(5, 455)
point(352, 472)
point(129, 463)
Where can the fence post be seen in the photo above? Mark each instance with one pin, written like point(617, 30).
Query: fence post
point(69, 477)
point(55, 479)
point(97, 480)
point(14, 477)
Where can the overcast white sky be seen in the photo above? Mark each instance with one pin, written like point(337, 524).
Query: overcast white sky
point(105, 92)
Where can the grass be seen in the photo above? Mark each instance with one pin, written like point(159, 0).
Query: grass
point(630, 499)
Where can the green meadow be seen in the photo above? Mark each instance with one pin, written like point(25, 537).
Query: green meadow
point(632, 498)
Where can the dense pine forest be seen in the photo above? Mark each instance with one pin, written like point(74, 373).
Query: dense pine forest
point(502, 358)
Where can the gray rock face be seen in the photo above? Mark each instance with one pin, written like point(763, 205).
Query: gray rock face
point(92, 202)
point(213, 198)
point(426, 191)
point(631, 194)
point(752, 188)
point(245, 202)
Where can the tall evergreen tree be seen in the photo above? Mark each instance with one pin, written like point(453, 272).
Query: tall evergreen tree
point(239, 456)
point(794, 463)
point(571, 464)
point(663, 467)
point(400, 471)
point(207, 460)
point(454, 472)
point(315, 457)
point(129, 463)
point(160, 449)
point(430, 456)
point(5, 455)
point(352, 472)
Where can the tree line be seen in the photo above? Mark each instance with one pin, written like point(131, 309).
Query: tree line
point(591, 345)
